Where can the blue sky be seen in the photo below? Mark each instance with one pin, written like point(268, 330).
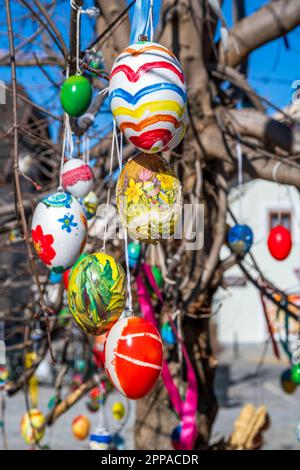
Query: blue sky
point(273, 68)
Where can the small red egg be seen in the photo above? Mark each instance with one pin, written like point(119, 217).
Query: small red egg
point(280, 242)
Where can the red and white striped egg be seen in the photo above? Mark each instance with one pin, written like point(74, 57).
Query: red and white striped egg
point(147, 95)
point(133, 356)
point(77, 177)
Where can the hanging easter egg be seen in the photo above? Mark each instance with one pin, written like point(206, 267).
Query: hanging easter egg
point(133, 356)
point(81, 427)
point(32, 426)
point(147, 94)
point(118, 411)
point(175, 437)
point(55, 278)
point(77, 381)
point(97, 293)
point(168, 334)
point(90, 204)
point(58, 230)
point(298, 432)
point(77, 177)
point(3, 377)
point(93, 60)
point(179, 134)
point(286, 382)
point(240, 239)
point(295, 374)
point(93, 405)
point(134, 253)
point(280, 242)
point(76, 95)
point(100, 439)
point(157, 274)
point(118, 442)
point(53, 402)
point(149, 198)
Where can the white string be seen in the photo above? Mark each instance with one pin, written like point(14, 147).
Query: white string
point(274, 176)
point(150, 22)
point(67, 143)
point(109, 176)
point(240, 176)
point(78, 71)
point(120, 159)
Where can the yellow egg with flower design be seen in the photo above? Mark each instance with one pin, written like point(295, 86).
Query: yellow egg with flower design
point(149, 198)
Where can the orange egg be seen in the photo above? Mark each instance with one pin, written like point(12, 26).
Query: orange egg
point(81, 427)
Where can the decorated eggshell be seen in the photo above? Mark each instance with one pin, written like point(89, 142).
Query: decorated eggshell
point(33, 426)
point(280, 242)
point(77, 177)
point(133, 356)
point(240, 239)
point(118, 410)
point(100, 439)
point(90, 204)
point(81, 427)
point(179, 134)
point(97, 293)
point(59, 230)
point(149, 198)
point(147, 95)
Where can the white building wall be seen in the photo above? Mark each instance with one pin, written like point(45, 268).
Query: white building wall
point(240, 316)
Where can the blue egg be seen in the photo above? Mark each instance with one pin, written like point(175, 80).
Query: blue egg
point(175, 437)
point(55, 278)
point(167, 334)
point(134, 253)
point(240, 239)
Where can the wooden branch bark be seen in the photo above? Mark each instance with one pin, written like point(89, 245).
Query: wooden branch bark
point(268, 23)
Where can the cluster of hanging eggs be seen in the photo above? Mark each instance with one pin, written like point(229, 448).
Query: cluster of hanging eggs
point(147, 93)
point(149, 199)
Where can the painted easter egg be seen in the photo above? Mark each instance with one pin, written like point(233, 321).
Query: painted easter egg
point(90, 204)
point(133, 356)
point(176, 436)
point(77, 177)
point(149, 198)
point(168, 334)
point(179, 134)
point(147, 93)
point(295, 374)
point(58, 230)
point(81, 427)
point(240, 239)
point(280, 242)
point(76, 95)
point(118, 411)
point(4, 374)
point(100, 439)
point(97, 293)
point(286, 382)
point(32, 426)
point(134, 253)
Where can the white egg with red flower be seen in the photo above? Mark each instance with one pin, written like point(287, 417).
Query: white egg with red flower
point(59, 230)
point(77, 177)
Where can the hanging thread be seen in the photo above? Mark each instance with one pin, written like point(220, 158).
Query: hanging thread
point(114, 138)
point(120, 160)
point(239, 154)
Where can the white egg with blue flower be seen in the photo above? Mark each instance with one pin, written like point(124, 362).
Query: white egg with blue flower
point(59, 230)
